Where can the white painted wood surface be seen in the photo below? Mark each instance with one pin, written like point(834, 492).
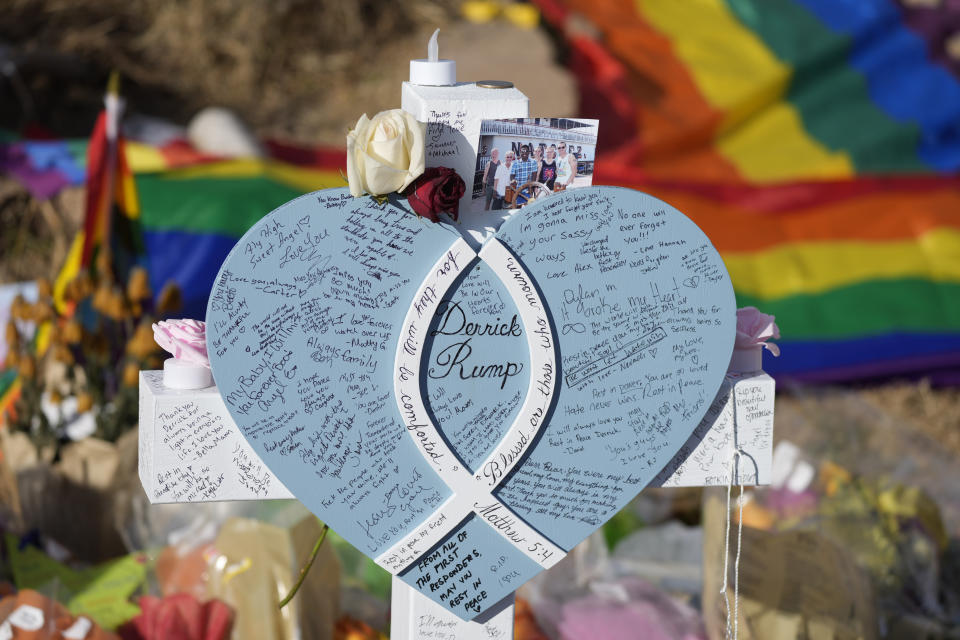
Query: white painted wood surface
point(192, 451)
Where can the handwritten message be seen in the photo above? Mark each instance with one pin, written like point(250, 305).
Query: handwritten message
point(644, 315)
point(466, 417)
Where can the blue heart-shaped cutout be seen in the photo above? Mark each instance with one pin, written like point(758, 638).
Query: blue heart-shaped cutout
point(466, 417)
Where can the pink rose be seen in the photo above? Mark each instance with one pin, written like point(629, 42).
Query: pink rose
point(184, 339)
point(754, 329)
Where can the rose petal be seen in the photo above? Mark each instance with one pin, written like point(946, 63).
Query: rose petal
point(184, 339)
point(385, 153)
point(354, 163)
point(754, 328)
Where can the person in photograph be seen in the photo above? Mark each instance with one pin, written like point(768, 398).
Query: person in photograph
point(489, 176)
point(566, 166)
point(525, 169)
point(547, 169)
point(502, 180)
point(538, 155)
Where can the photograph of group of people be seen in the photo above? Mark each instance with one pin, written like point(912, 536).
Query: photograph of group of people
point(524, 159)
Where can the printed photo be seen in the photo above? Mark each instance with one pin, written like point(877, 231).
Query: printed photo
point(522, 160)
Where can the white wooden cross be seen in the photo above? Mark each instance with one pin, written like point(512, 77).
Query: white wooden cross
point(192, 451)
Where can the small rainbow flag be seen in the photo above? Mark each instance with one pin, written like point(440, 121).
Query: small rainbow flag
point(112, 210)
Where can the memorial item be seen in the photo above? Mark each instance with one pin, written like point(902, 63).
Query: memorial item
point(30, 615)
point(522, 159)
point(179, 617)
point(540, 382)
point(463, 403)
point(438, 190)
point(185, 340)
point(385, 153)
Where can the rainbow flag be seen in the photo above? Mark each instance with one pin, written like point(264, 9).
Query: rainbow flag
point(112, 210)
point(192, 216)
point(817, 142)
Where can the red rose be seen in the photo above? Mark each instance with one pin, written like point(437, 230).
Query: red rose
point(437, 190)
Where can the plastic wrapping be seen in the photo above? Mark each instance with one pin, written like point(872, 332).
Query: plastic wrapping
point(591, 595)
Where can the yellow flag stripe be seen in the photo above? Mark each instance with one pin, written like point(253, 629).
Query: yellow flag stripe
point(815, 267)
point(761, 134)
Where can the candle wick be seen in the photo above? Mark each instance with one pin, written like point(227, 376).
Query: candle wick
point(433, 49)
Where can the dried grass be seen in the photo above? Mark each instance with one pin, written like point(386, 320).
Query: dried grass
point(278, 63)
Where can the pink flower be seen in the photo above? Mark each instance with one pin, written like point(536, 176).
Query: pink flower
point(754, 328)
point(184, 339)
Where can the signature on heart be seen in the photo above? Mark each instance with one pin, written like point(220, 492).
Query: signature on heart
point(692, 282)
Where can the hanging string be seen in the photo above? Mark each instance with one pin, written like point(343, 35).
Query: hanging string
point(733, 622)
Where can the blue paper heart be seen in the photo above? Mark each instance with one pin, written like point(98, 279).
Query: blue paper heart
point(467, 420)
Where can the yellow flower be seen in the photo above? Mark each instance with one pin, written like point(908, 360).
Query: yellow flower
point(84, 401)
point(110, 302)
point(27, 366)
point(138, 286)
point(12, 335)
point(44, 288)
point(72, 332)
point(170, 299)
point(117, 308)
point(131, 374)
point(80, 287)
point(104, 264)
point(19, 309)
point(62, 353)
point(41, 311)
point(101, 298)
point(141, 343)
point(386, 153)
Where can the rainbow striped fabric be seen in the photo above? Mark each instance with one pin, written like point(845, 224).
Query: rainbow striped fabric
point(193, 215)
point(817, 142)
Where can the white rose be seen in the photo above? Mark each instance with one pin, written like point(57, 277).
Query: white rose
point(386, 153)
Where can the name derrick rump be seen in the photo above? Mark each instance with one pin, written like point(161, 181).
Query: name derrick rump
point(453, 359)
